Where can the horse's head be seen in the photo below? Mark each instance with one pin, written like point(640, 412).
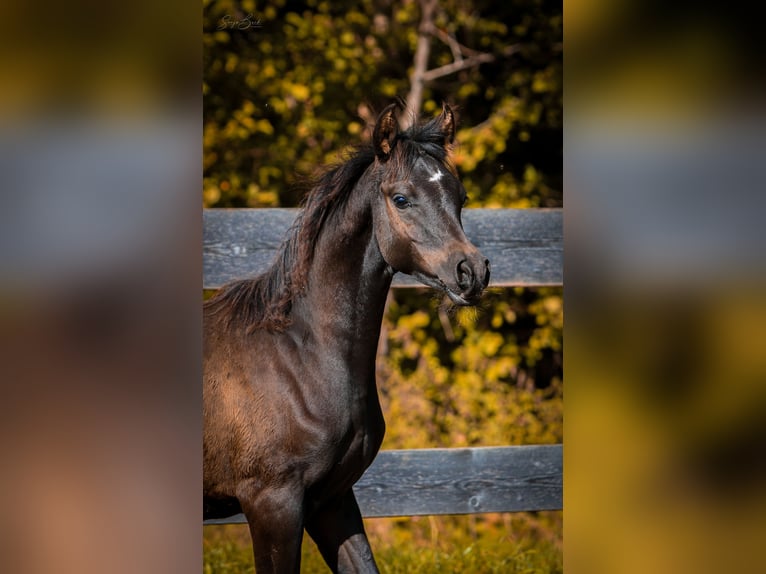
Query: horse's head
point(417, 212)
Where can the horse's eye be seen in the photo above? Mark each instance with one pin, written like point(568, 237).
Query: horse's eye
point(400, 201)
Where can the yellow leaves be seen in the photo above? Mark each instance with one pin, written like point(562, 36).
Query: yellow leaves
point(313, 58)
point(210, 195)
point(554, 306)
point(487, 140)
point(231, 63)
point(482, 148)
point(416, 320)
point(266, 172)
point(467, 89)
point(264, 126)
point(545, 80)
point(248, 108)
point(490, 343)
point(210, 135)
point(403, 15)
point(294, 19)
point(297, 91)
point(241, 126)
point(221, 37)
point(278, 105)
point(468, 155)
point(269, 13)
point(318, 85)
point(477, 390)
point(351, 80)
point(388, 89)
point(531, 176)
point(257, 197)
point(500, 368)
point(347, 38)
point(502, 313)
point(249, 124)
point(268, 70)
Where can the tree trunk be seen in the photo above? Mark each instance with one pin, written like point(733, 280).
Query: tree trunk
point(423, 50)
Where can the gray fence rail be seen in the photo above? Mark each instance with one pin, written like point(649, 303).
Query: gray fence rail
point(525, 247)
point(458, 481)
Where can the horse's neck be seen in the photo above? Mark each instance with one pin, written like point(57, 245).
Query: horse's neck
point(348, 285)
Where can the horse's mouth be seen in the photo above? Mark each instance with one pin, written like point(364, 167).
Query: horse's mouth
point(458, 299)
point(462, 300)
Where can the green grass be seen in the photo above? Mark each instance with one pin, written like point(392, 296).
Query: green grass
point(507, 544)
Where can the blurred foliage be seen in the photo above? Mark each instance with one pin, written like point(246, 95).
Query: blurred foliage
point(288, 86)
point(471, 377)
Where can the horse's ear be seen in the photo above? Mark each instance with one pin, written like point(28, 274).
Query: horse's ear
point(447, 123)
point(385, 131)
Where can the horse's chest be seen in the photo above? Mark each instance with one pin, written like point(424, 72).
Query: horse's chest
point(359, 442)
point(362, 447)
point(342, 475)
point(351, 450)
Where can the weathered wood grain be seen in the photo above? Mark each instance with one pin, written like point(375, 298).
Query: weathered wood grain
point(524, 246)
point(462, 481)
point(458, 481)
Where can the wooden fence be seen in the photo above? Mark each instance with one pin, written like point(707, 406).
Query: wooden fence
point(525, 247)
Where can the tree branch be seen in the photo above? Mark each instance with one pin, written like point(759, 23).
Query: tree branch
point(458, 65)
point(420, 72)
point(455, 47)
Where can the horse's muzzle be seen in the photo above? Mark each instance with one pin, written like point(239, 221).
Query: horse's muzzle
point(471, 278)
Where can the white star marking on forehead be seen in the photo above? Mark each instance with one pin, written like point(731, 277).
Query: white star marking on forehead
point(437, 175)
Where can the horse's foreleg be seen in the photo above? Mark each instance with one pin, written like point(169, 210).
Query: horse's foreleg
point(338, 531)
point(275, 517)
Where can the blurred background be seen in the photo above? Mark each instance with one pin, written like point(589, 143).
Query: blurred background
point(100, 228)
point(288, 87)
point(665, 451)
point(105, 144)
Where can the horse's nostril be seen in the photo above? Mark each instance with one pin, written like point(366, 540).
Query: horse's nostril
point(486, 272)
point(464, 274)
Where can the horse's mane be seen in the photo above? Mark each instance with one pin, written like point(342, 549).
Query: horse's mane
point(265, 301)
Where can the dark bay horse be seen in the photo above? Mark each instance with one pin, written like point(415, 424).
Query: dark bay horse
point(291, 411)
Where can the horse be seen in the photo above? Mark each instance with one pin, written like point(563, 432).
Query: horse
point(291, 411)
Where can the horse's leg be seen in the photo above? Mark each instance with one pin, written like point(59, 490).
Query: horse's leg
point(275, 517)
point(338, 531)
